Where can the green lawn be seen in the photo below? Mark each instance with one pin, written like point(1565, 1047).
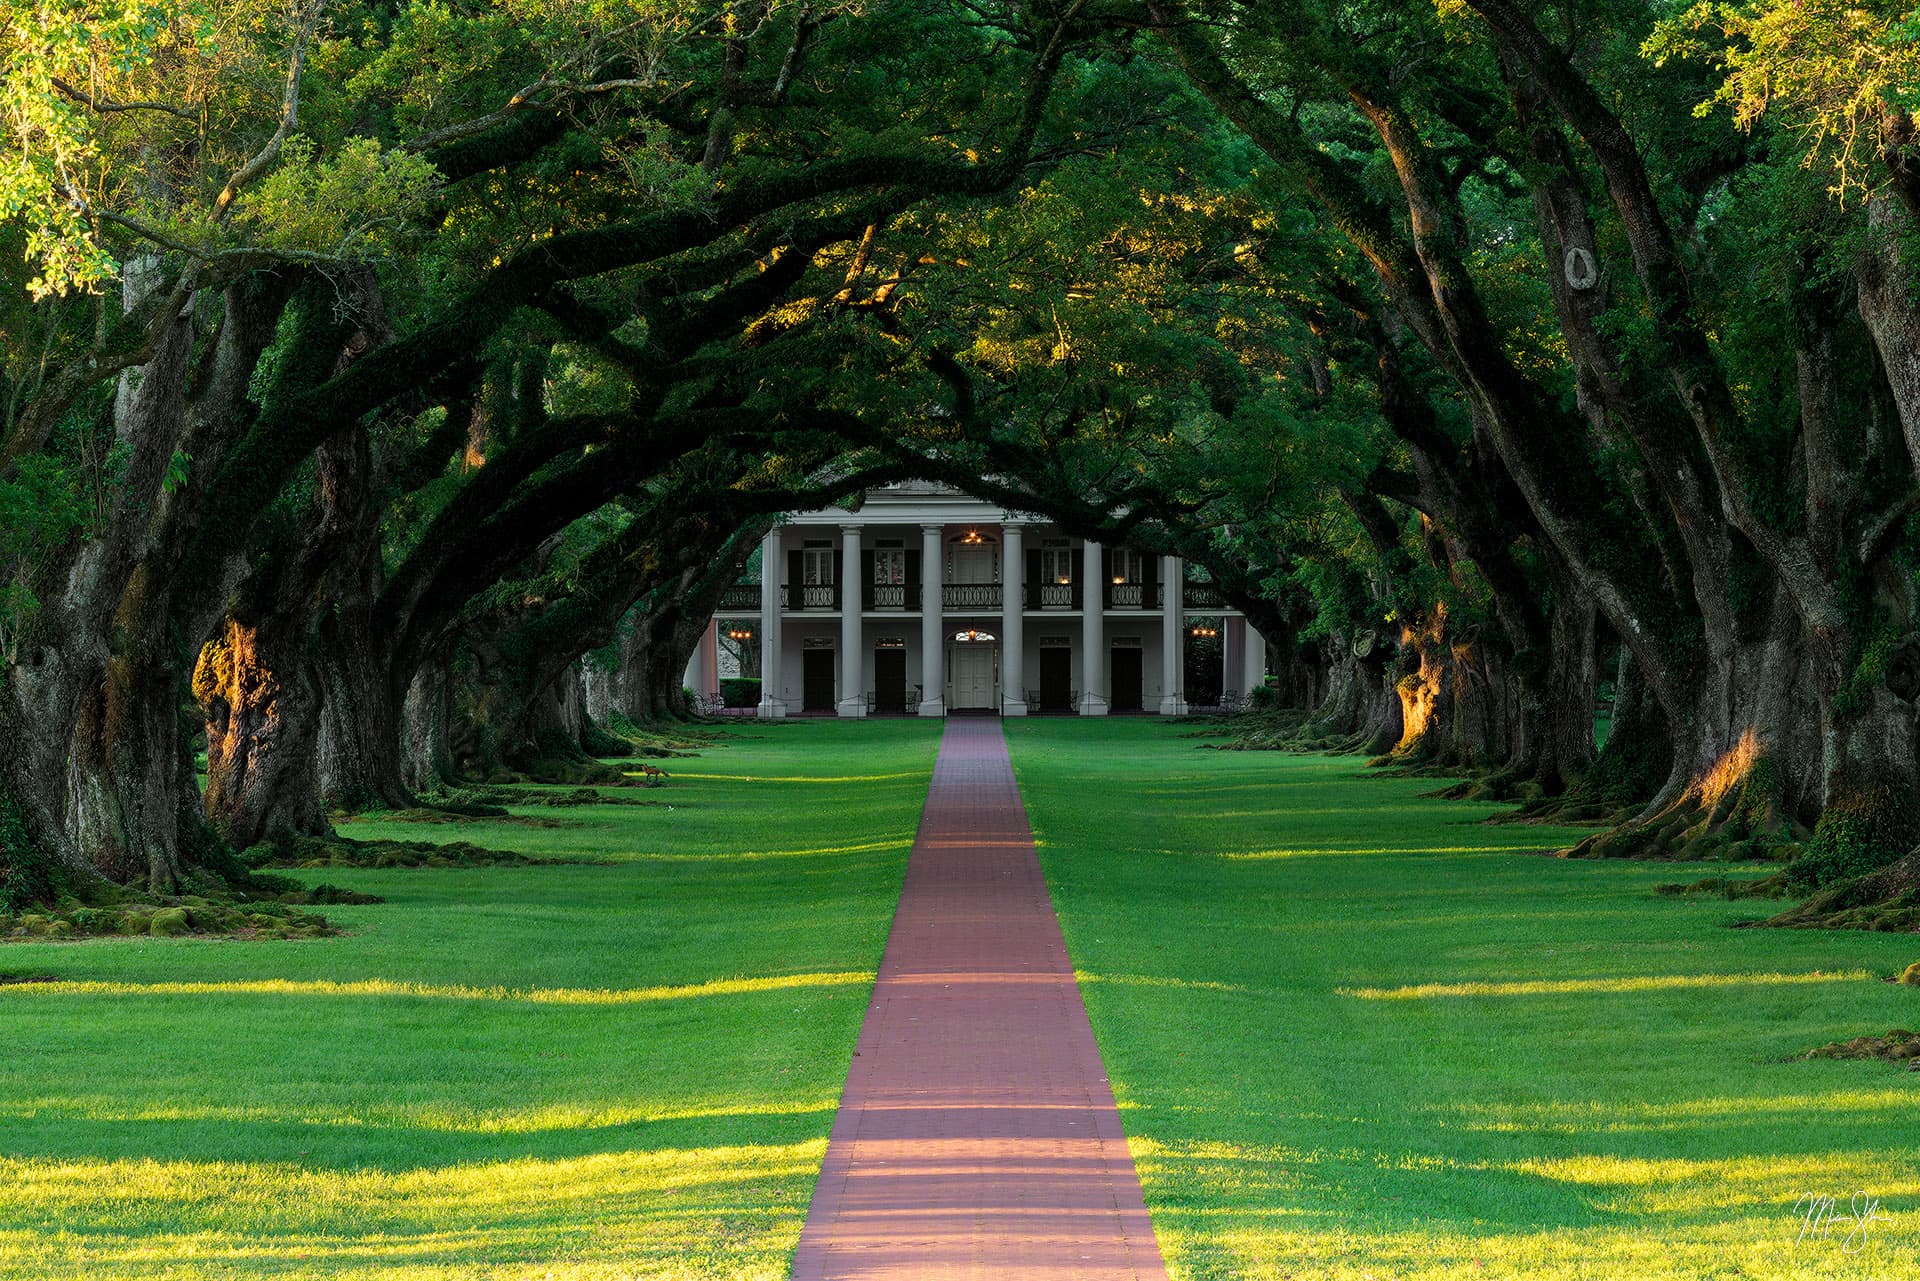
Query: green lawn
point(618, 1070)
point(1356, 1034)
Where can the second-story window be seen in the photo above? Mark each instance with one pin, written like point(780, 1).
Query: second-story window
point(1056, 565)
point(816, 565)
point(1128, 566)
point(889, 567)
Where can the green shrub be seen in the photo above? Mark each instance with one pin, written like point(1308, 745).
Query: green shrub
point(740, 691)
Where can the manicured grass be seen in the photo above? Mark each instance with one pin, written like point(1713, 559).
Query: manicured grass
point(591, 1071)
point(1357, 1034)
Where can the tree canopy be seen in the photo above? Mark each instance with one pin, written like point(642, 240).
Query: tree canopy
point(367, 365)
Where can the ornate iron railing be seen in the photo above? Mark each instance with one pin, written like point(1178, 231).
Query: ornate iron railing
point(1053, 596)
point(970, 596)
point(893, 596)
point(1133, 596)
point(740, 596)
point(1203, 596)
point(818, 596)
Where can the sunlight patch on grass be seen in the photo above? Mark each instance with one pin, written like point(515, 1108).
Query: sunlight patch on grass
point(751, 856)
point(1085, 977)
point(1588, 1116)
point(681, 1211)
point(443, 992)
point(802, 778)
point(1681, 1185)
point(436, 1117)
point(1491, 846)
point(1574, 987)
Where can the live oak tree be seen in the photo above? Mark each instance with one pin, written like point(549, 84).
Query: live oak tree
point(368, 366)
point(333, 258)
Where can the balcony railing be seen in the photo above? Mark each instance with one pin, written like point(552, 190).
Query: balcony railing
point(891, 596)
point(826, 597)
point(1203, 596)
point(1133, 596)
point(813, 596)
point(970, 596)
point(1053, 596)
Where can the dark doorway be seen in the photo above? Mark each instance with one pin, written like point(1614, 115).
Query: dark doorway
point(890, 680)
point(1126, 680)
point(1056, 679)
point(816, 680)
point(1202, 667)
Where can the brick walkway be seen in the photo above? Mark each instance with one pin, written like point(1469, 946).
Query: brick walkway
point(977, 1136)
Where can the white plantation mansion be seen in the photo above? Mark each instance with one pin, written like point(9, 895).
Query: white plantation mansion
point(927, 600)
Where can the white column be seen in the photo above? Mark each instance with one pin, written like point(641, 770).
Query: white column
point(703, 669)
point(1253, 659)
point(1013, 630)
point(1226, 658)
point(1173, 671)
point(933, 624)
point(853, 693)
point(772, 565)
point(710, 656)
point(1093, 633)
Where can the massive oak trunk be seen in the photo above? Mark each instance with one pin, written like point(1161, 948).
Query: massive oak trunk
point(261, 682)
point(261, 701)
point(95, 766)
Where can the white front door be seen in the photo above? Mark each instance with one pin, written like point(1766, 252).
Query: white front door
point(972, 669)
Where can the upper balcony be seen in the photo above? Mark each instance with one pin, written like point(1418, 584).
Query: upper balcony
point(826, 598)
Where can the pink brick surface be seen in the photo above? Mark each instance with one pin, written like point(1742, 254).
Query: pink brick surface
point(977, 1135)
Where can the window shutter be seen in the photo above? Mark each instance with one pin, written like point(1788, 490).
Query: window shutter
point(913, 569)
point(866, 578)
point(1149, 568)
point(795, 577)
point(1034, 578)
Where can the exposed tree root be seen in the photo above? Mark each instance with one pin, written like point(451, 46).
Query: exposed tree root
point(563, 771)
point(1730, 814)
point(448, 816)
point(1727, 887)
point(498, 796)
point(271, 910)
point(657, 739)
point(310, 852)
point(1887, 900)
point(1280, 729)
point(1897, 1046)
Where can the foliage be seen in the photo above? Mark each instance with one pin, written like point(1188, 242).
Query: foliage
point(1835, 71)
point(338, 205)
